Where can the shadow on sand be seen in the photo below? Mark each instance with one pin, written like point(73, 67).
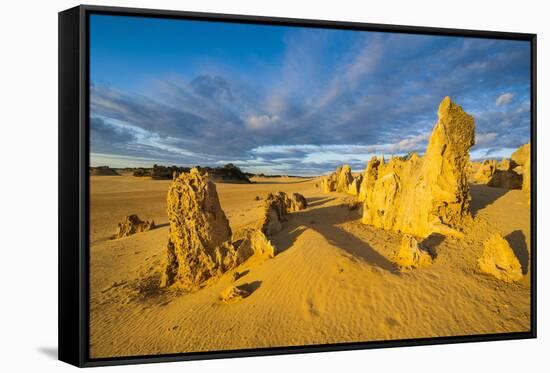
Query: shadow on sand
point(319, 201)
point(517, 241)
point(250, 287)
point(483, 196)
point(325, 220)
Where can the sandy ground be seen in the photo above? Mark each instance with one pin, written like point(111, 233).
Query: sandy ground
point(331, 281)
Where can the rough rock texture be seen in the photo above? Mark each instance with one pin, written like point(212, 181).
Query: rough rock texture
point(520, 156)
point(411, 254)
point(485, 171)
point(233, 293)
point(526, 185)
point(505, 165)
point(132, 224)
point(298, 202)
point(429, 194)
point(277, 205)
point(199, 246)
point(369, 177)
point(498, 259)
point(506, 179)
point(255, 243)
point(328, 183)
point(344, 179)
point(355, 186)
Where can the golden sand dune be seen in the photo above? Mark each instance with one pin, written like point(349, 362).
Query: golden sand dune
point(333, 279)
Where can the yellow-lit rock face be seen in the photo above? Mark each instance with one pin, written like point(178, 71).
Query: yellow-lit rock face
point(522, 158)
point(429, 194)
point(199, 239)
point(485, 172)
point(411, 254)
point(344, 179)
point(522, 155)
point(369, 178)
point(527, 175)
point(499, 260)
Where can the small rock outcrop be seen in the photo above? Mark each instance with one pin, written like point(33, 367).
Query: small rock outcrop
point(132, 224)
point(297, 202)
point(256, 243)
point(277, 206)
point(498, 260)
point(429, 194)
point(233, 293)
point(485, 171)
point(411, 254)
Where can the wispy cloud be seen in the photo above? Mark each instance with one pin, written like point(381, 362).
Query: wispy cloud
point(332, 97)
point(504, 99)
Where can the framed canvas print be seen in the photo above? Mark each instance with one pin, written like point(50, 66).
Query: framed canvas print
point(238, 185)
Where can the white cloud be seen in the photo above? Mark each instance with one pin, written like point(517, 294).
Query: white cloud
point(261, 121)
point(504, 99)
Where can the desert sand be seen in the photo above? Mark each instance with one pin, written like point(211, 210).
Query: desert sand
point(332, 281)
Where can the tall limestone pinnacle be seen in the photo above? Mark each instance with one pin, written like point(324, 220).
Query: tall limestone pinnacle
point(199, 239)
point(429, 194)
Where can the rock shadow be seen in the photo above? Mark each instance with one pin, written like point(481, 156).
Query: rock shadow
point(325, 221)
point(432, 242)
point(517, 241)
point(250, 287)
point(483, 196)
point(319, 201)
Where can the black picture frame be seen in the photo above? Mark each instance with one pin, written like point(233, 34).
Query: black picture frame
point(73, 250)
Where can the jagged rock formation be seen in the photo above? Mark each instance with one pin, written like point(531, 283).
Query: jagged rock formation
point(411, 254)
point(255, 243)
point(344, 179)
point(429, 194)
point(297, 202)
point(199, 244)
point(328, 184)
point(277, 206)
point(355, 186)
point(485, 171)
point(132, 224)
point(369, 177)
point(498, 259)
point(234, 293)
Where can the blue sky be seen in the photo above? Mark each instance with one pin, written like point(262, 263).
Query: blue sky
point(292, 100)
